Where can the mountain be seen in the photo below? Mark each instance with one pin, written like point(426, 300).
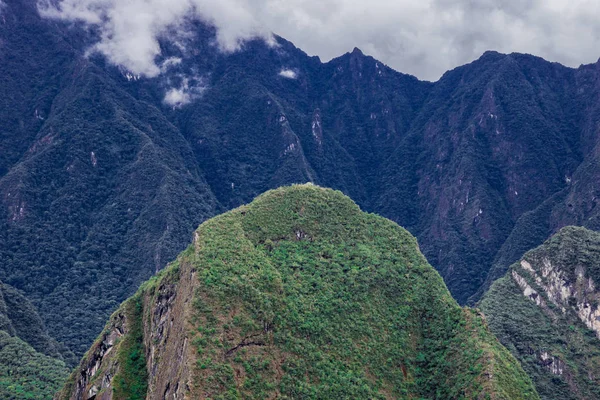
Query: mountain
point(102, 183)
point(104, 191)
point(546, 311)
point(298, 294)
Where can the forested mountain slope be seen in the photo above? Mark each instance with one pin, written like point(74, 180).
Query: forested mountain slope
point(102, 183)
point(299, 294)
point(32, 364)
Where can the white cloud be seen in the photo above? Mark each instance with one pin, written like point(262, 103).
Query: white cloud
point(130, 30)
point(421, 37)
point(177, 97)
point(427, 37)
point(186, 92)
point(288, 73)
point(169, 62)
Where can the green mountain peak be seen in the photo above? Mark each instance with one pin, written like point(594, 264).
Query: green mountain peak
point(299, 294)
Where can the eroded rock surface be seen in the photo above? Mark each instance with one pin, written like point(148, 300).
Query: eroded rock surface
point(94, 376)
point(546, 310)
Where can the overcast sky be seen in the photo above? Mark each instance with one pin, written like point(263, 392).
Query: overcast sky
point(421, 37)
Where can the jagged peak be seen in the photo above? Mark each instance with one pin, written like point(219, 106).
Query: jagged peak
point(357, 52)
point(492, 53)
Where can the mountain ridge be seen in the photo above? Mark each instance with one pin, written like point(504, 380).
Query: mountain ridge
point(108, 182)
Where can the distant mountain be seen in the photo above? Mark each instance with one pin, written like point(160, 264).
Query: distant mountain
point(297, 295)
point(102, 183)
point(546, 311)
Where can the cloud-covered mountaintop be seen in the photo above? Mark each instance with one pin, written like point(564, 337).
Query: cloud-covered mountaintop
point(423, 38)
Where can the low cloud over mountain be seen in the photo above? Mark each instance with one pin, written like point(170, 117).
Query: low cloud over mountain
point(423, 38)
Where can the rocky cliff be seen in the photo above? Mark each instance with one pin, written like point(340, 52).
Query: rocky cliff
point(297, 295)
point(546, 310)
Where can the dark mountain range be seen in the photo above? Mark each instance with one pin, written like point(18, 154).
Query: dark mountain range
point(299, 294)
point(102, 183)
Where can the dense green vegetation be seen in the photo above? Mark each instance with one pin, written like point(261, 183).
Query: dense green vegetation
point(19, 317)
point(131, 382)
point(26, 374)
point(102, 184)
point(529, 330)
point(300, 294)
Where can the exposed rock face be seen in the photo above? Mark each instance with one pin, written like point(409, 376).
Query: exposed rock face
point(528, 291)
point(165, 342)
point(546, 310)
point(297, 294)
point(100, 364)
point(167, 338)
point(557, 284)
point(554, 364)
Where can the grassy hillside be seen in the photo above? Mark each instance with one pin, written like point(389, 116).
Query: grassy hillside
point(302, 295)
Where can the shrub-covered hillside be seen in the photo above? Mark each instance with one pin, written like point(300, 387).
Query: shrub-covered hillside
point(26, 374)
point(32, 364)
point(299, 294)
point(546, 311)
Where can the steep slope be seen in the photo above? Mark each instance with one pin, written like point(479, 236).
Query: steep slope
point(579, 206)
point(546, 312)
point(576, 203)
point(113, 193)
point(334, 123)
point(297, 295)
point(472, 163)
point(33, 59)
point(106, 194)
